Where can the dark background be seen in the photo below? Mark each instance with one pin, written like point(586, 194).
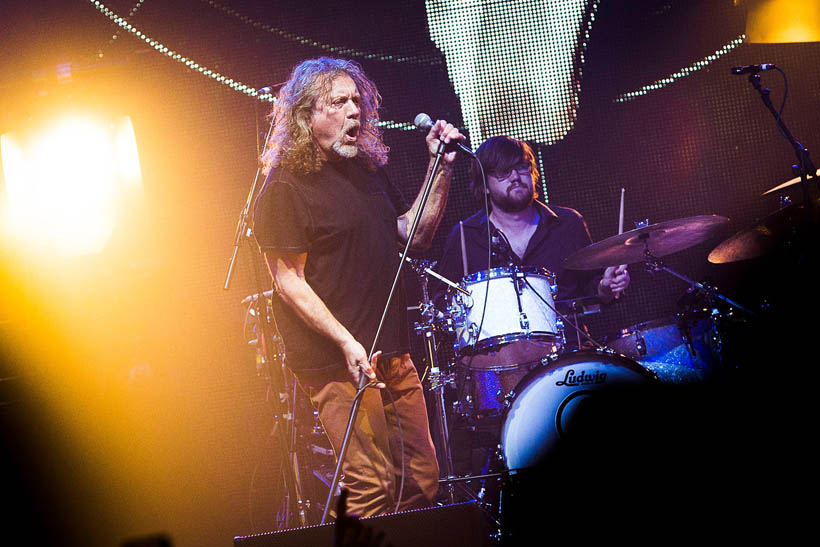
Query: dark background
point(188, 450)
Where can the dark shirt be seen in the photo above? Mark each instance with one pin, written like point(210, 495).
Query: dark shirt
point(344, 218)
point(561, 231)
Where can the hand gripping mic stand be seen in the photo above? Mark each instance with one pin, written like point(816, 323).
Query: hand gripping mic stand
point(354, 409)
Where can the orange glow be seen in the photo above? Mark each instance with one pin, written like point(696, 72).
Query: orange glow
point(783, 21)
point(66, 180)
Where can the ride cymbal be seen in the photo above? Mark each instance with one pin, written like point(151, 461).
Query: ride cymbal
point(658, 240)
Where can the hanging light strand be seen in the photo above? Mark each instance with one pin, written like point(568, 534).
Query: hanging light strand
point(682, 73)
point(428, 60)
point(190, 63)
point(216, 76)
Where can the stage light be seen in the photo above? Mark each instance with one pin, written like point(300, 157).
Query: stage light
point(67, 180)
point(783, 21)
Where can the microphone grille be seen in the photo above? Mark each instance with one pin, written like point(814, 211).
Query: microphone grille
point(423, 121)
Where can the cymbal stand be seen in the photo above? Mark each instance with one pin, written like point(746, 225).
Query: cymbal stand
point(654, 264)
point(438, 380)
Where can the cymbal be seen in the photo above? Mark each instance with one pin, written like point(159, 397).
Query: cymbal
point(764, 237)
point(786, 184)
point(659, 239)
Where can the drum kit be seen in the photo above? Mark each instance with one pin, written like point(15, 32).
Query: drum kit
point(512, 372)
point(513, 379)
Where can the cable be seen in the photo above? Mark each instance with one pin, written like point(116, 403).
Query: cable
point(489, 262)
point(401, 443)
point(782, 104)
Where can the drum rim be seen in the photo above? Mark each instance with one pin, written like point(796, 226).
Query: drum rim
point(505, 271)
point(569, 358)
point(673, 320)
point(509, 338)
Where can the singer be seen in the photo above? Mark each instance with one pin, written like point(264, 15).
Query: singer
point(329, 223)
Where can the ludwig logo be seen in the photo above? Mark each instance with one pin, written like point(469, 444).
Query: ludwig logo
point(582, 378)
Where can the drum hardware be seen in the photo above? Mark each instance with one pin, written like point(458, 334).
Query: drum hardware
point(653, 264)
point(648, 243)
point(520, 279)
point(678, 350)
point(561, 319)
point(282, 392)
point(585, 305)
point(438, 380)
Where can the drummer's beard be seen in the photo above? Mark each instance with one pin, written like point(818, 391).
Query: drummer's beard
point(514, 200)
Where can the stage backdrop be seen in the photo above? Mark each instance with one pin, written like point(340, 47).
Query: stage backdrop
point(162, 424)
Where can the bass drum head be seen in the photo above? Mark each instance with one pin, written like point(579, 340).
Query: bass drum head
point(547, 398)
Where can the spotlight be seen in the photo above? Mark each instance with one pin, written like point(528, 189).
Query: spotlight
point(67, 180)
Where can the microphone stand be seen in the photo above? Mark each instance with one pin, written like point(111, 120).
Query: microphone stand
point(244, 232)
point(804, 164)
point(362, 379)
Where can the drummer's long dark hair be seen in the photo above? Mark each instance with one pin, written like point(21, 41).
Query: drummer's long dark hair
point(499, 155)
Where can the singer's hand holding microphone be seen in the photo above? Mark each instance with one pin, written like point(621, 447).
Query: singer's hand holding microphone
point(442, 132)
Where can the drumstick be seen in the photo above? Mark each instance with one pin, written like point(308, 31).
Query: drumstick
point(621, 224)
point(463, 248)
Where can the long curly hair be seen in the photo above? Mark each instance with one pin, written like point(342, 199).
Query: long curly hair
point(291, 143)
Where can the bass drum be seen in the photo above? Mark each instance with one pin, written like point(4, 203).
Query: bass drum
point(545, 400)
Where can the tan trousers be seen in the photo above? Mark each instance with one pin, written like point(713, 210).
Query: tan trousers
point(372, 468)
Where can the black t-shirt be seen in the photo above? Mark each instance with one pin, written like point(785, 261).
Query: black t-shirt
point(344, 218)
point(561, 231)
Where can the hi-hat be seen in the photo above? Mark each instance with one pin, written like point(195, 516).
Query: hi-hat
point(786, 184)
point(657, 240)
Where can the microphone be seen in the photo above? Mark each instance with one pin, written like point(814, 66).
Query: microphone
point(501, 247)
point(423, 121)
point(753, 69)
point(269, 88)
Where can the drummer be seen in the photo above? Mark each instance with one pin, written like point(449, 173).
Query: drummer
point(524, 231)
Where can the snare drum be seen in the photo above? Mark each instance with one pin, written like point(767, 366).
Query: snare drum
point(546, 399)
point(677, 349)
point(518, 323)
